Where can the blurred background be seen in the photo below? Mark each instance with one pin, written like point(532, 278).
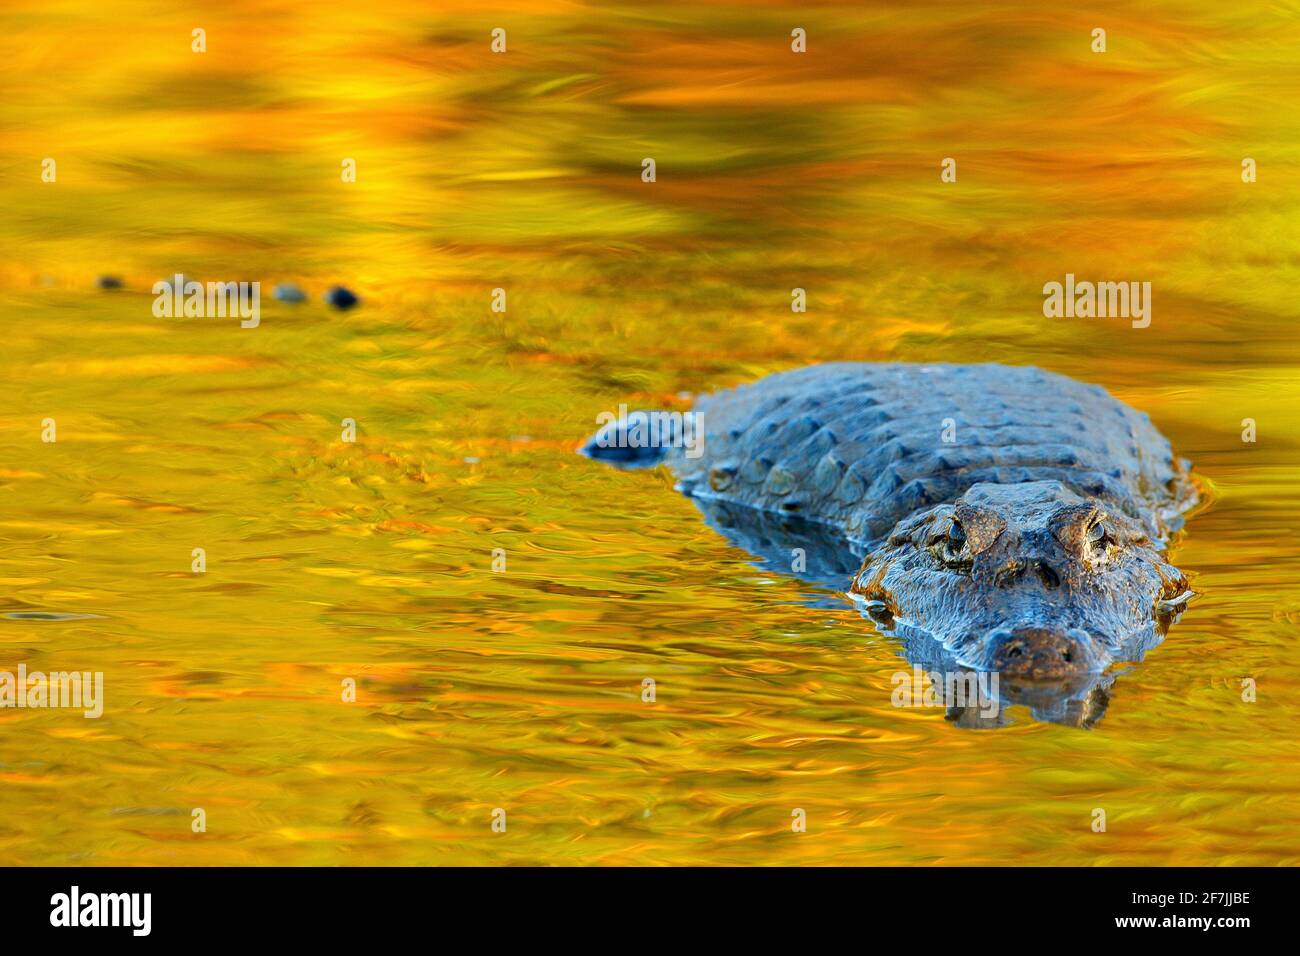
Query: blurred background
point(521, 170)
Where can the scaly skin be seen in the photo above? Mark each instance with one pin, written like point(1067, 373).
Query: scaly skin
point(1030, 543)
point(859, 446)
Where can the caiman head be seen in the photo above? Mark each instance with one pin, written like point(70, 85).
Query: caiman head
point(1031, 580)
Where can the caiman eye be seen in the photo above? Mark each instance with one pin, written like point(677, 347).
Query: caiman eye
point(950, 547)
point(1100, 539)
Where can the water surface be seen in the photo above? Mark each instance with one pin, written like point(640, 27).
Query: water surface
point(372, 560)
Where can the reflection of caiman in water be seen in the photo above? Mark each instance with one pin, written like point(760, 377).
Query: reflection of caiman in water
point(991, 518)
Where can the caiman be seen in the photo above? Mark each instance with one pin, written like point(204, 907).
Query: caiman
point(1014, 518)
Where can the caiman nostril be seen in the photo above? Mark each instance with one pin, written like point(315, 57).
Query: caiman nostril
point(1009, 574)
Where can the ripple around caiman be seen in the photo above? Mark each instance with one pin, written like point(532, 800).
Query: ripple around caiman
point(998, 518)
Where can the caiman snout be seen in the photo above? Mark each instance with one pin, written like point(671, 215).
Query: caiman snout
point(1041, 653)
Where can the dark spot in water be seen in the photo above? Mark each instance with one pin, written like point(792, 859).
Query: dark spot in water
point(362, 815)
point(201, 677)
point(341, 298)
point(49, 616)
point(288, 292)
point(109, 282)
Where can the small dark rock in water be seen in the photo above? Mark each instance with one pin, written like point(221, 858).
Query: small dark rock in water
point(109, 282)
point(48, 616)
point(341, 298)
point(288, 292)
